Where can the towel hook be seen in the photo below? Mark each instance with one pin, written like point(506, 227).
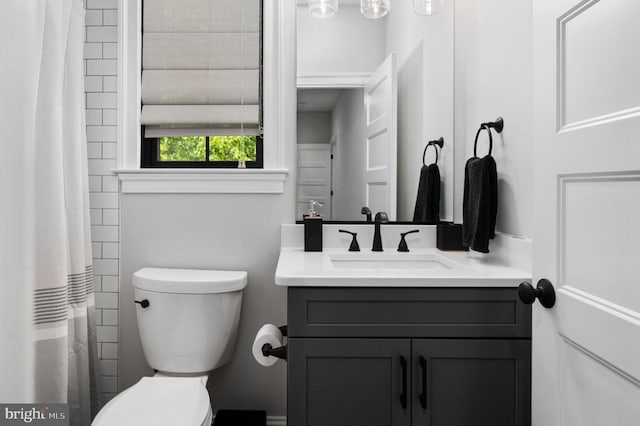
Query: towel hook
point(497, 125)
point(439, 142)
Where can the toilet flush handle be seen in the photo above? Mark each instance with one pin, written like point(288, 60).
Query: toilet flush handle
point(143, 303)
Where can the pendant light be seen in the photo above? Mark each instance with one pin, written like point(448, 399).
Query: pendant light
point(323, 8)
point(375, 8)
point(427, 7)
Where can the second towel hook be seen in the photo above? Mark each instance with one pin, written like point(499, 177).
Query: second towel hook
point(497, 125)
point(439, 142)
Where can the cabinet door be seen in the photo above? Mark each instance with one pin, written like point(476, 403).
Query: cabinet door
point(349, 382)
point(471, 382)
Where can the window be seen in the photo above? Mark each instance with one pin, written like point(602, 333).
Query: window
point(278, 80)
point(202, 84)
point(203, 151)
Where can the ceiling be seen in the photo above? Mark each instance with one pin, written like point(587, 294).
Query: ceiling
point(317, 100)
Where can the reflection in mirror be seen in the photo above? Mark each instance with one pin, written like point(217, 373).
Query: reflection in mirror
point(337, 58)
point(328, 119)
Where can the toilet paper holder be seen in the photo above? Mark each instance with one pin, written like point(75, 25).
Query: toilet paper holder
point(279, 352)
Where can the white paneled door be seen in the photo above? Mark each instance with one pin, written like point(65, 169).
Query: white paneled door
point(586, 349)
point(380, 100)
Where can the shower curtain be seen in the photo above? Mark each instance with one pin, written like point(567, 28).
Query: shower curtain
point(46, 234)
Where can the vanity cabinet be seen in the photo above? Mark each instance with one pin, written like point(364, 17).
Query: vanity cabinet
point(408, 356)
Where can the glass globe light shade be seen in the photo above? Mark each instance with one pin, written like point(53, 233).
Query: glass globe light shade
point(323, 8)
point(375, 8)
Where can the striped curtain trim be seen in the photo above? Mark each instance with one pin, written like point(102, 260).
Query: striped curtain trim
point(52, 304)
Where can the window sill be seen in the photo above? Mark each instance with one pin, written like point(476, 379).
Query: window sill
point(199, 181)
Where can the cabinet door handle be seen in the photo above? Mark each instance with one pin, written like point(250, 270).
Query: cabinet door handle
point(403, 394)
point(423, 396)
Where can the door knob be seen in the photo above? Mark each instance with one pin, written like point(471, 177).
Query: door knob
point(544, 292)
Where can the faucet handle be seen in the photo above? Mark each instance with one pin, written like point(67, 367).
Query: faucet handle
point(403, 243)
point(354, 241)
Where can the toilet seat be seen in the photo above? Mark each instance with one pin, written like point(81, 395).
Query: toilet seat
point(154, 401)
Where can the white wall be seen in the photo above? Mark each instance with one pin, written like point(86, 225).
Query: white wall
point(424, 45)
point(314, 127)
point(349, 128)
point(493, 77)
point(346, 42)
point(486, 84)
point(213, 231)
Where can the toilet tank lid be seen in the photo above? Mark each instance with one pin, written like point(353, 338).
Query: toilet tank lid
point(189, 281)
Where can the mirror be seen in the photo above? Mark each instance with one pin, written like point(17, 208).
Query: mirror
point(371, 94)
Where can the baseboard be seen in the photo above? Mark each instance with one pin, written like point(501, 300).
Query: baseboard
point(276, 421)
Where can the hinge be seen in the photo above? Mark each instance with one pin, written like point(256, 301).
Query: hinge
point(332, 156)
point(332, 192)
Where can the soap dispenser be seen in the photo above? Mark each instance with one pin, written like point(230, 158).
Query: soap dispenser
point(312, 228)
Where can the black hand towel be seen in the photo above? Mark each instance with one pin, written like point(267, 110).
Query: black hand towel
point(428, 200)
point(480, 203)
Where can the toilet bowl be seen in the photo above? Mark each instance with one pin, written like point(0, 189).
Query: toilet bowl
point(159, 401)
point(188, 322)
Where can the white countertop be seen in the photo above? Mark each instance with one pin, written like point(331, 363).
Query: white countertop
point(507, 265)
point(298, 268)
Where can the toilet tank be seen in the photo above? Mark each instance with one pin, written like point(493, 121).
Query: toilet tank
point(190, 322)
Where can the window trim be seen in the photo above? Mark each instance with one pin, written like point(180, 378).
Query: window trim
point(150, 158)
point(202, 181)
point(279, 109)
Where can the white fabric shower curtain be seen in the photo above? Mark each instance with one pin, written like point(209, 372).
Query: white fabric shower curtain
point(48, 317)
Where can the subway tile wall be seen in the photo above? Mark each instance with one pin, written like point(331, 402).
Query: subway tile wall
point(101, 107)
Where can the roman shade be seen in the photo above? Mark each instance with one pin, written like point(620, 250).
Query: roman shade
point(201, 67)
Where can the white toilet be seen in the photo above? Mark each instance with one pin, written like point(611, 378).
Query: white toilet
point(188, 322)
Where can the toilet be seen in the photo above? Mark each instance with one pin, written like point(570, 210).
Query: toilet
point(188, 323)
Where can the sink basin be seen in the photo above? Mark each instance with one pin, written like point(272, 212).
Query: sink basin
point(402, 261)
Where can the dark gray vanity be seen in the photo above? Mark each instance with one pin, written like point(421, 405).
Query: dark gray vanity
point(390, 356)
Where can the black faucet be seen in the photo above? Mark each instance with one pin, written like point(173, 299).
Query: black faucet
point(381, 217)
point(403, 243)
point(354, 240)
point(367, 211)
